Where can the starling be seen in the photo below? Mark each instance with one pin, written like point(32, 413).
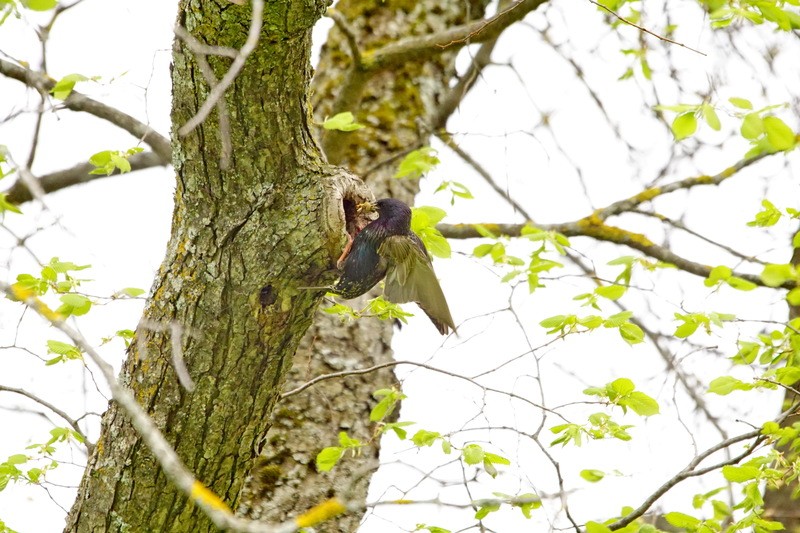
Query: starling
point(388, 248)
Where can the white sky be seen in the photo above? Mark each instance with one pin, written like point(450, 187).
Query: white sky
point(120, 226)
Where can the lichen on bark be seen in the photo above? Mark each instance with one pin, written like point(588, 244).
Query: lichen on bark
point(244, 242)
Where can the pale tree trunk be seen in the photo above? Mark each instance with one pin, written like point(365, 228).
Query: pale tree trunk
point(399, 106)
point(243, 242)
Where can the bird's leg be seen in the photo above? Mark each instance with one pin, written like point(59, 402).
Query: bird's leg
point(345, 252)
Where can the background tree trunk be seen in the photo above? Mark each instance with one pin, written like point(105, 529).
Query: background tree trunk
point(400, 108)
point(243, 240)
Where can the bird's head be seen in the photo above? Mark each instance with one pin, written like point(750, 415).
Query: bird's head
point(391, 212)
point(393, 209)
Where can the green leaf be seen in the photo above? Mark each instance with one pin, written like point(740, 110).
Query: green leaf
point(682, 520)
point(611, 292)
point(622, 386)
point(387, 404)
point(596, 527)
point(397, 428)
point(740, 284)
point(5, 205)
point(553, 321)
point(592, 476)
point(752, 126)
point(776, 275)
point(717, 275)
point(63, 87)
point(473, 454)
point(496, 459)
point(631, 333)
point(426, 216)
point(769, 216)
point(346, 441)
point(131, 292)
point(725, 385)
point(436, 243)
point(641, 404)
point(40, 5)
point(741, 103)
point(739, 474)
point(526, 507)
point(431, 529)
point(684, 126)
point(417, 163)
point(328, 457)
point(686, 329)
point(342, 122)
point(17, 459)
point(616, 320)
point(62, 267)
point(34, 474)
point(484, 510)
point(779, 135)
point(794, 296)
point(62, 348)
point(424, 437)
point(74, 304)
point(711, 118)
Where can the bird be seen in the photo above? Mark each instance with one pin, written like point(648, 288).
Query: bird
point(388, 248)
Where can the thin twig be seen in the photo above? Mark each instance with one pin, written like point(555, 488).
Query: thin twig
point(44, 403)
point(645, 30)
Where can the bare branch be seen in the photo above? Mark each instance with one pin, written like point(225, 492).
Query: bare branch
point(349, 34)
point(19, 193)
point(44, 403)
point(79, 102)
point(216, 509)
point(453, 98)
point(474, 32)
point(645, 30)
point(594, 225)
point(691, 469)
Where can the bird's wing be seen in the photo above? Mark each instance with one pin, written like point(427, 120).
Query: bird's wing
point(410, 278)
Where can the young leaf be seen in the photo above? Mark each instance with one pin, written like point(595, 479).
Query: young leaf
point(684, 126)
point(779, 135)
point(328, 457)
point(424, 437)
point(592, 476)
point(40, 5)
point(711, 118)
point(63, 87)
point(473, 454)
point(725, 385)
point(342, 122)
point(741, 103)
point(682, 520)
point(419, 162)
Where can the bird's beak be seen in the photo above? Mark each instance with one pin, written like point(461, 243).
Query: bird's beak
point(366, 207)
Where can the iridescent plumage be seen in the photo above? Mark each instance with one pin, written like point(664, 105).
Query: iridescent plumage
point(387, 248)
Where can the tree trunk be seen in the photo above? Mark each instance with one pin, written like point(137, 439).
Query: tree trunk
point(779, 502)
point(399, 107)
point(244, 240)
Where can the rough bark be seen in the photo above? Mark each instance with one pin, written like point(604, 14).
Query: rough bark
point(243, 242)
point(396, 105)
point(779, 503)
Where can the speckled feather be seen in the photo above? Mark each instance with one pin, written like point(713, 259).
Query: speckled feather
point(388, 248)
